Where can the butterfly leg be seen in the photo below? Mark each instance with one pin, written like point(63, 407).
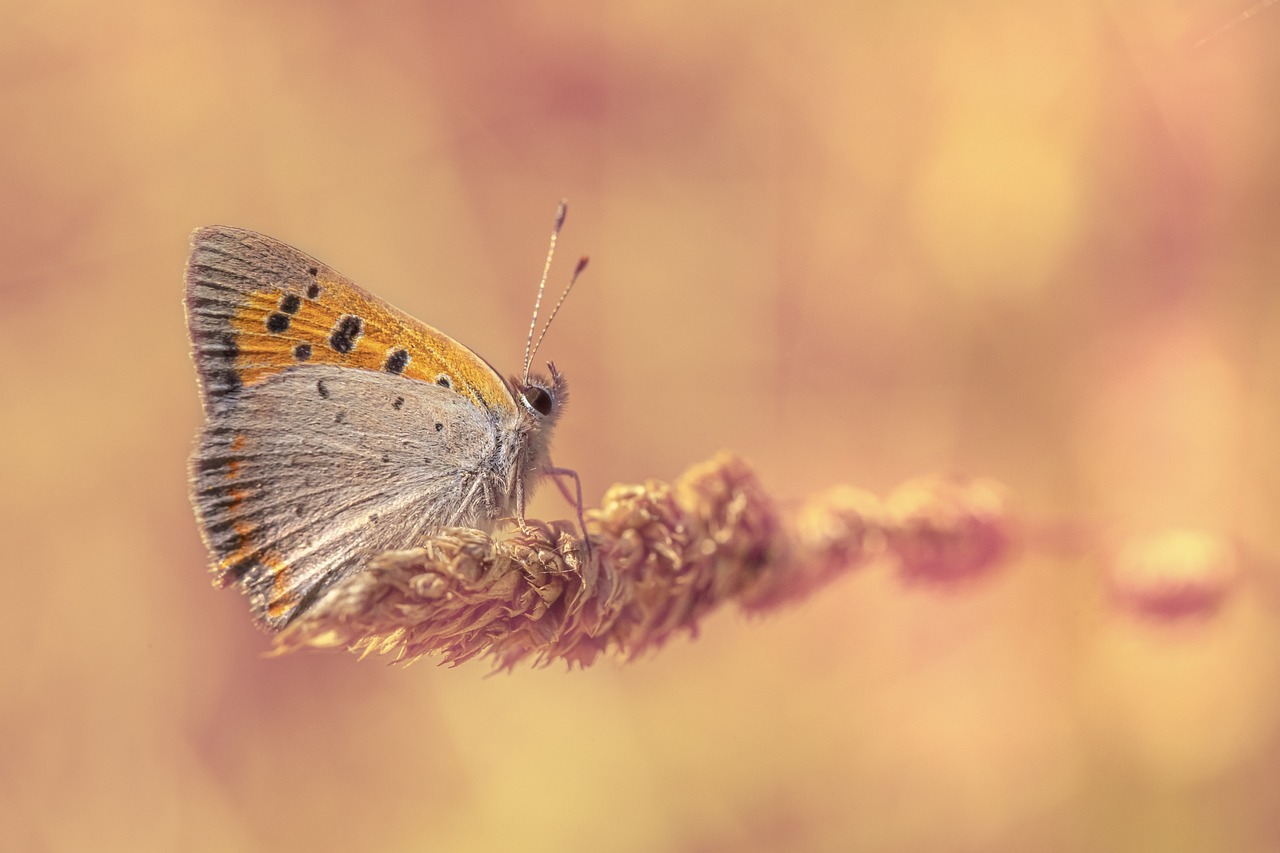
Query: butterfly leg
point(520, 519)
point(520, 506)
point(576, 498)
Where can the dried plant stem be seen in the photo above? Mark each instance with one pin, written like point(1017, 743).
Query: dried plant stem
point(664, 556)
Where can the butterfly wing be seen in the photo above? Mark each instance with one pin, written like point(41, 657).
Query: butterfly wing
point(337, 425)
point(315, 469)
point(256, 306)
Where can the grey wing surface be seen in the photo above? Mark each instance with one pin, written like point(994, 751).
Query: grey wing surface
point(311, 472)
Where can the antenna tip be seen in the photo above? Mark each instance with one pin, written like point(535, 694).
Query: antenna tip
point(582, 265)
point(561, 209)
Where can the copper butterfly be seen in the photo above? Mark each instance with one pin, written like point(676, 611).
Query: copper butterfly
point(338, 427)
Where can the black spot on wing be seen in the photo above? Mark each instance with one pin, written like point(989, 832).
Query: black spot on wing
point(345, 333)
point(397, 402)
point(278, 323)
point(290, 304)
point(302, 352)
point(313, 290)
point(397, 360)
point(322, 388)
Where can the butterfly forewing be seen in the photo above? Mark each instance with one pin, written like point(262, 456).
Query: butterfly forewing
point(256, 306)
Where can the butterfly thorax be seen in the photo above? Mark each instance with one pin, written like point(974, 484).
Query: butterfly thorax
point(523, 450)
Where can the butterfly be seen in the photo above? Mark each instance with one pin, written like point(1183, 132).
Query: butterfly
point(338, 427)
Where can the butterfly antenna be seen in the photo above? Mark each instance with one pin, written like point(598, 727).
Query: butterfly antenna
point(577, 271)
point(529, 348)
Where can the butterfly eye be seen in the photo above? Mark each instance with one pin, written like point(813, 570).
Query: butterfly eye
point(538, 399)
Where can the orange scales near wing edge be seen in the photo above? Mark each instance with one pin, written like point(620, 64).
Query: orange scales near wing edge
point(244, 550)
point(283, 308)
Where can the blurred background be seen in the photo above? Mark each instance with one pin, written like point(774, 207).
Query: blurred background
point(854, 242)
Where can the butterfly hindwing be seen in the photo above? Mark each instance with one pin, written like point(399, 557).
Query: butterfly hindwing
point(316, 468)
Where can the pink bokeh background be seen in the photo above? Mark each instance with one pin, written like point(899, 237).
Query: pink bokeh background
point(854, 242)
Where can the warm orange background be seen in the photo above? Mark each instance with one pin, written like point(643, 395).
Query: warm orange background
point(855, 242)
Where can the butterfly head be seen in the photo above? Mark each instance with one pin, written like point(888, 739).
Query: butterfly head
point(539, 403)
point(541, 397)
